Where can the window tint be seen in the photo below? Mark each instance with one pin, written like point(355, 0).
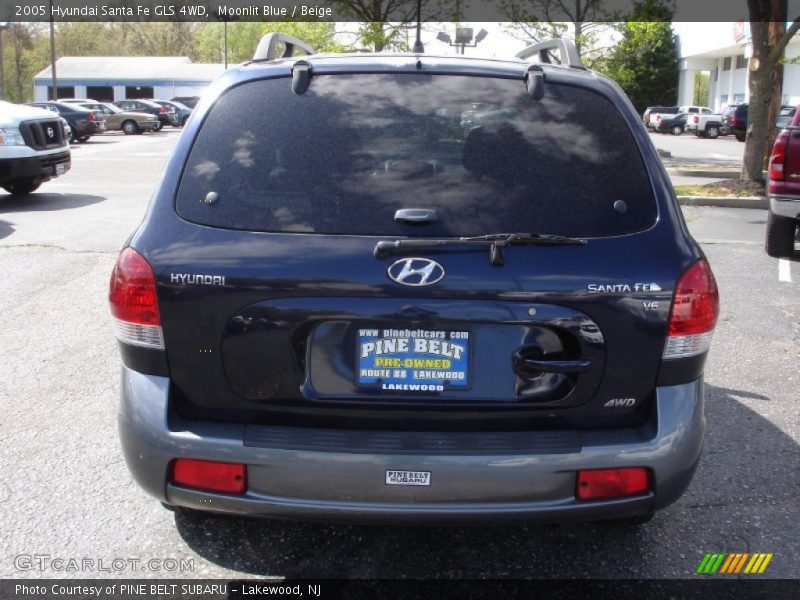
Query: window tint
point(344, 156)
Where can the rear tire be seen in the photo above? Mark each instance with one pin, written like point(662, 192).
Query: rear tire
point(183, 121)
point(82, 138)
point(22, 187)
point(780, 236)
point(712, 132)
point(130, 128)
point(677, 130)
point(159, 127)
point(740, 137)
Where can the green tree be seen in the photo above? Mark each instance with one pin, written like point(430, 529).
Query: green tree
point(19, 46)
point(384, 24)
point(645, 62)
point(243, 37)
point(586, 22)
point(701, 84)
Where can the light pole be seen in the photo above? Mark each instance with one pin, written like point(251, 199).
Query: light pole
point(463, 38)
point(225, 19)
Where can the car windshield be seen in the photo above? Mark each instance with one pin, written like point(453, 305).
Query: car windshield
point(114, 109)
point(347, 154)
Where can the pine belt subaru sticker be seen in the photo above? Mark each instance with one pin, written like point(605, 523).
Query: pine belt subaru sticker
point(413, 360)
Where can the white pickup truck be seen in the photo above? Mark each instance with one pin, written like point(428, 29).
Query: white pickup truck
point(656, 116)
point(33, 148)
point(706, 125)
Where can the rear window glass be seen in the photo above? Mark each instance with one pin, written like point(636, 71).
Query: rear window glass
point(344, 156)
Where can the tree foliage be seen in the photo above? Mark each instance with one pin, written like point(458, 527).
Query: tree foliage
point(26, 47)
point(587, 22)
point(645, 61)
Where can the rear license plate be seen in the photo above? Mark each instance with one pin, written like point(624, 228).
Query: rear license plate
point(413, 360)
point(408, 477)
point(61, 168)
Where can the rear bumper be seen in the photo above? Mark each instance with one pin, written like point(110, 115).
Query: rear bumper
point(785, 206)
point(314, 475)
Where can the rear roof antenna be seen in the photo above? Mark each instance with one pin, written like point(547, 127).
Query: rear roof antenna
point(418, 47)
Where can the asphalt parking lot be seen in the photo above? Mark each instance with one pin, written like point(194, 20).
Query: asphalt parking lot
point(66, 493)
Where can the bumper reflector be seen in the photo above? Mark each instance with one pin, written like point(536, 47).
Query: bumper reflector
point(602, 484)
point(228, 478)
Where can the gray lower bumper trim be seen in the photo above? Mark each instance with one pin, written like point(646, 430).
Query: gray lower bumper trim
point(329, 483)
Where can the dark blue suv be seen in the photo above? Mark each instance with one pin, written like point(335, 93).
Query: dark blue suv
point(414, 288)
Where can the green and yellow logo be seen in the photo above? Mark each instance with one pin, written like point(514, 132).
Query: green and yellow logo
point(734, 563)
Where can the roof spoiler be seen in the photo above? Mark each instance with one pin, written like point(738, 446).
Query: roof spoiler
point(270, 46)
point(568, 53)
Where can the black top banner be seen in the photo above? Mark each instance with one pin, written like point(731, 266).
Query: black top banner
point(373, 10)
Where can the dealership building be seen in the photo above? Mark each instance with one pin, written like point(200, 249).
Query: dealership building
point(110, 78)
point(723, 51)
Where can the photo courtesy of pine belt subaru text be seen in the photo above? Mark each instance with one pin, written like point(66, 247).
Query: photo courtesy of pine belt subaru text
point(413, 288)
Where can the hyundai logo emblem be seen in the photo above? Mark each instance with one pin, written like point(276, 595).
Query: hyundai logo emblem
point(50, 132)
point(415, 272)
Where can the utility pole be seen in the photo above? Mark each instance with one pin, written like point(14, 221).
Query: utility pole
point(53, 53)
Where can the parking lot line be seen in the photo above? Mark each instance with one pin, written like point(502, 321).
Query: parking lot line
point(784, 270)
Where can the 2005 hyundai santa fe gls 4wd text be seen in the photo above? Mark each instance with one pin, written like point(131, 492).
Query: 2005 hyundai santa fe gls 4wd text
point(414, 288)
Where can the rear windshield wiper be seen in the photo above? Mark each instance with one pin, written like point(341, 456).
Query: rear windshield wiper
point(498, 243)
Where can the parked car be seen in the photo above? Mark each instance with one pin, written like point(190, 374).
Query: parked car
point(164, 114)
point(784, 191)
point(734, 121)
point(705, 125)
point(120, 120)
point(674, 125)
point(655, 114)
point(188, 101)
point(182, 111)
point(648, 111)
point(322, 314)
point(33, 148)
point(84, 122)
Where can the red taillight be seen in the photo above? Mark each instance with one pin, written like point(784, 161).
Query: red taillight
point(602, 484)
point(695, 308)
point(164, 109)
point(134, 305)
point(778, 158)
point(228, 478)
point(696, 119)
point(90, 117)
point(132, 291)
point(733, 119)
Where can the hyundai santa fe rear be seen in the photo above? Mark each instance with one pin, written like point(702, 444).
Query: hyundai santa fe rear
point(413, 288)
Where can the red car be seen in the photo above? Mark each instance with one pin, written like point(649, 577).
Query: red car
point(784, 191)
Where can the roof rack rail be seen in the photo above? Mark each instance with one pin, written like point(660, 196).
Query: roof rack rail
point(270, 45)
point(566, 48)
